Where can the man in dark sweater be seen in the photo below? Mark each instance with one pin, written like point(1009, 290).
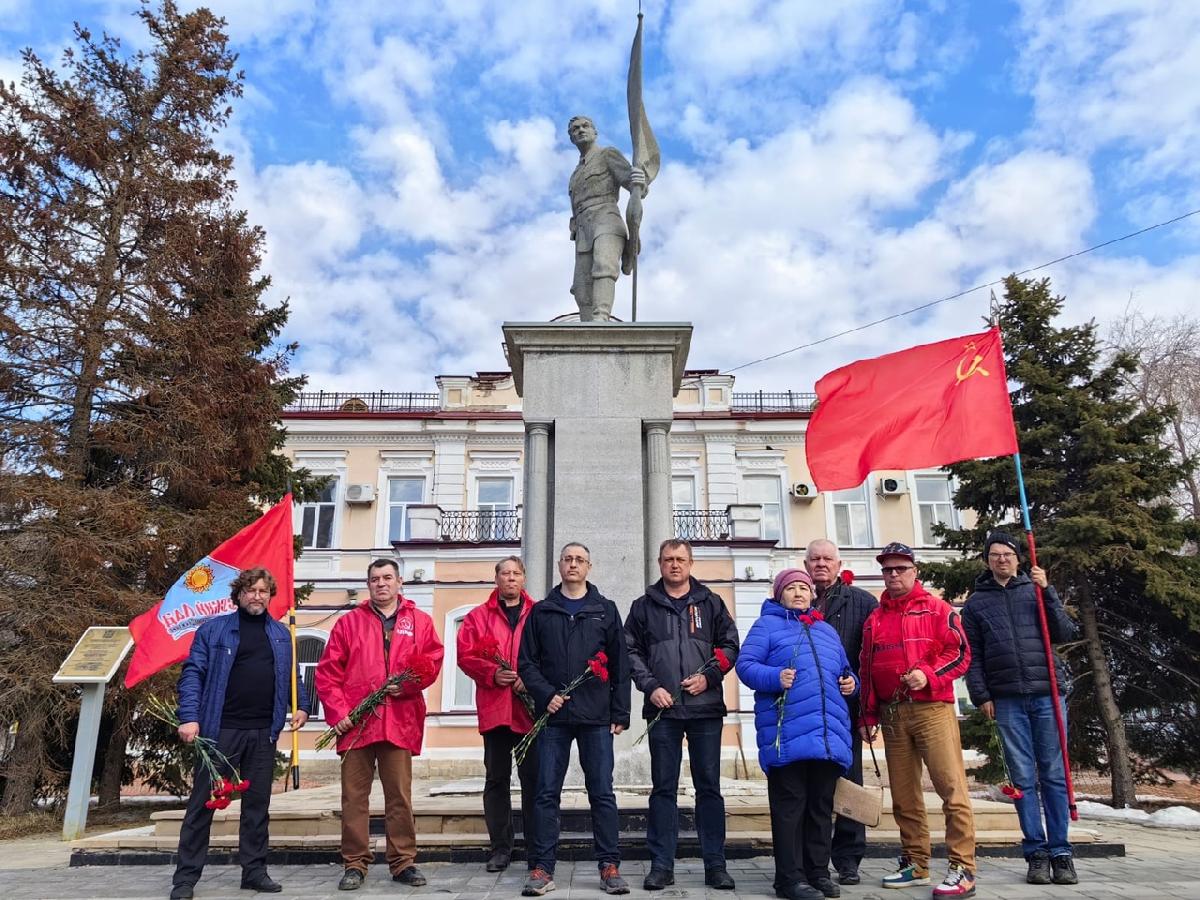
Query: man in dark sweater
point(235, 689)
point(563, 632)
point(845, 608)
point(1009, 680)
point(672, 633)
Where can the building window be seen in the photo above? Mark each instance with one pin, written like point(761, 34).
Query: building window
point(683, 493)
point(935, 505)
point(308, 654)
point(461, 688)
point(316, 519)
point(402, 492)
point(852, 517)
point(766, 490)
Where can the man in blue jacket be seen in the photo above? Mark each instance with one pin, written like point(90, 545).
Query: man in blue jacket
point(1010, 682)
point(235, 689)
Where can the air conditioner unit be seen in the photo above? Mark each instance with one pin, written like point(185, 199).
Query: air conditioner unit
point(360, 493)
point(803, 490)
point(892, 487)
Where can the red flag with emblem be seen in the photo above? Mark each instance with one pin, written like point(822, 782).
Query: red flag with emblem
point(930, 405)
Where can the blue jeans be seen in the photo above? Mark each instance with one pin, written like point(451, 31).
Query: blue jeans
point(596, 759)
point(666, 756)
point(1035, 764)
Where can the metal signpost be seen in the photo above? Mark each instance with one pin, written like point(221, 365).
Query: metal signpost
point(91, 664)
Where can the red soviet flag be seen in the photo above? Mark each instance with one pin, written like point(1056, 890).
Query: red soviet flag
point(927, 406)
point(163, 635)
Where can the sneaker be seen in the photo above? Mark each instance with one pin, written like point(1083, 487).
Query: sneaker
point(1064, 870)
point(411, 876)
point(1039, 868)
point(719, 878)
point(612, 880)
point(657, 879)
point(352, 880)
point(538, 882)
point(907, 875)
point(957, 883)
point(825, 885)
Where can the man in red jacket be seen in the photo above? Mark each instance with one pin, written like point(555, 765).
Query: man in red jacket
point(375, 640)
point(913, 648)
point(488, 643)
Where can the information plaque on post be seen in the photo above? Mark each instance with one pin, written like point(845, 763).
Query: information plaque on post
point(91, 664)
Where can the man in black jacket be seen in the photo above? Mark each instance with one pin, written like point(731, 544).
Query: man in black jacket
point(562, 633)
point(1009, 681)
point(845, 608)
point(672, 632)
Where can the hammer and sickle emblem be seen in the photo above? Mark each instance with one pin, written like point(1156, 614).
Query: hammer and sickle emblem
point(972, 368)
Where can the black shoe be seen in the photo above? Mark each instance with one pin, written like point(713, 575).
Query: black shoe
point(1064, 870)
point(182, 892)
point(719, 879)
point(411, 876)
point(264, 884)
point(657, 879)
point(849, 876)
point(1039, 868)
point(498, 861)
point(352, 880)
point(799, 891)
point(826, 886)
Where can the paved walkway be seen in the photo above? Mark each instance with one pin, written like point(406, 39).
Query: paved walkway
point(1159, 863)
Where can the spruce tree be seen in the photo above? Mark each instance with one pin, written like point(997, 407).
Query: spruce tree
point(1099, 477)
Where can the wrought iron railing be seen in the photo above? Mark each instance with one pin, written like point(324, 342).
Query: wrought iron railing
point(481, 525)
point(377, 402)
point(702, 524)
point(773, 401)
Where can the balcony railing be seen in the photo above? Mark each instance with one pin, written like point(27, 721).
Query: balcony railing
point(378, 402)
point(701, 524)
point(773, 401)
point(481, 525)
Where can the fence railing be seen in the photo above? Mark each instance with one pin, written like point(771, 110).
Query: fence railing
point(701, 524)
point(481, 525)
point(773, 401)
point(380, 401)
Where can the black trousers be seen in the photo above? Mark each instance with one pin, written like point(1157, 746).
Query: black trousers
point(252, 753)
point(850, 837)
point(800, 795)
point(497, 798)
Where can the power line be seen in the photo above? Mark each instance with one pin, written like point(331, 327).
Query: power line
point(956, 296)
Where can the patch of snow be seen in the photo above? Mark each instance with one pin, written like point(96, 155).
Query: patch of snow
point(1091, 810)
point(1176, 817)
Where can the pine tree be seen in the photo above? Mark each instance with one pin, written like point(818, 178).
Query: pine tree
point(1099, 477)
point(141, 382)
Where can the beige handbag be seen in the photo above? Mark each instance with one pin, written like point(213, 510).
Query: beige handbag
point(858, 802)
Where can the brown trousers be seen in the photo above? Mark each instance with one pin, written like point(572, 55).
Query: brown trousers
point(916, 733)
point(395, 774)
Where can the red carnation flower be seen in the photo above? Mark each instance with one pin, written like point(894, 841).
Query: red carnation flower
point(242, 786)
point(224, 789)
point(487, 648)
point(847, 576)
point(211, 803)
point(602, 657)
point(222, 803)
point(597, 668)
point(1014, 792)
point(723, 662)
point(421, 668)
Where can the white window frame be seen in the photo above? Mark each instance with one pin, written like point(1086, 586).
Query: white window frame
point(691, 479)
point(398, 464)
point(782, 540)
point(450, 669)
point(955, 513)
point(318, 716)
point(872, 518)
point(387, 500)
point(323, 463)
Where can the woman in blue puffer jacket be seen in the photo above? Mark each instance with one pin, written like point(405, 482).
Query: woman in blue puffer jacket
point(794, 662)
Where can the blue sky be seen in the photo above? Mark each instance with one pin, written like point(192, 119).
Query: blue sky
point(824, 165)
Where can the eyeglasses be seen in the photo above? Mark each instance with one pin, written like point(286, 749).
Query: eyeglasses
point(895, 570)
point(1002, 556)
point(581, 560)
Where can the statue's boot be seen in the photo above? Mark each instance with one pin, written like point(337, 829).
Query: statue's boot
point(603, 290)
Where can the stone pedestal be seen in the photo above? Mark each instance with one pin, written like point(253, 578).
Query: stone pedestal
point(597, 400)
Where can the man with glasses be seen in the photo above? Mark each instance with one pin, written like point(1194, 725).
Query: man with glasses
point(1009, 681)
point(846, 608)
point(914, 647)
point(563, 632)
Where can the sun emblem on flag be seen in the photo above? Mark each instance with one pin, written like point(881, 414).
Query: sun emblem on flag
point(199, 579)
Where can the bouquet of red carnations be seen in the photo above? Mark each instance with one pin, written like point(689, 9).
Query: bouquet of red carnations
point(597, 667)
point(489, 648)
point(224, 790)
point(419, 669)
point(717, 662)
